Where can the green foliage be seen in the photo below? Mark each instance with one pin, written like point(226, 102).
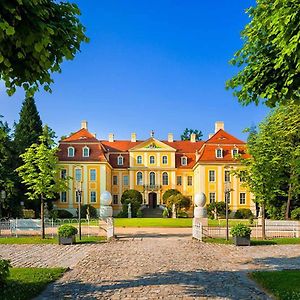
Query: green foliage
point(243, 213)
point(186, 136)
point(269, 58)
point(61, 214)
point(29, 54)
point(92, 211)
point(295, 214)
point(240, 230)
point(67, 230)
point(122, 214)
point(218, 209)
point(139, 214)
point(169, 193)
point(181, 203)
point(4, 271)
point(28, 213)
point(182, 214)
point(165, 213)
point(135, 198)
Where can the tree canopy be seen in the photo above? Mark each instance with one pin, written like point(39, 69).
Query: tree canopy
point(35, 37)
point(269, 60)
point(133, 197)
point(186, 136)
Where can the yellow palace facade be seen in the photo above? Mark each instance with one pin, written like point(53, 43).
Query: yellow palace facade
point(151, 166)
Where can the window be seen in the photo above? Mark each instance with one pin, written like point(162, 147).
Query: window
point(242, 198)
point(78, 174)
point(115, 199)
point(227, 196)
point(120, 160)
point(219, 153)
point(165, 178)
point(85, 151)
point(190, 180)
point(152, 159)
point(152, 178)
point(212, 175)
point(63, 197)
point(92, 175)
point(115, 180)
point(63, 173)
point(183, 160)
point(227, 176)
point(179, 180)
point(93, 198)
point(212, 197)
point(77, 197)
point(235, 152)
point(242, 176)
point(139, 159)
point(125, 180)
point(139, 178)
point(71, 152)
point(165, 159)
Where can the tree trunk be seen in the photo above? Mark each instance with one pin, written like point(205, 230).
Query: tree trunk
point(288, 204)
point(42, 218)
point(263, 222)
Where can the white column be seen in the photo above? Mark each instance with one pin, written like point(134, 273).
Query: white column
point(158, 159)
point(219, 182)
point(173, 179)
point(85, 185)
point(131, 179)
point(102, 179)
point(184, 182)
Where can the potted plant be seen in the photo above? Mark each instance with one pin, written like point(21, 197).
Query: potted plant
point(66, 234)
point(241, 234)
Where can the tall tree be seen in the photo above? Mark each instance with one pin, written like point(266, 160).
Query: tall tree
point(41, 173)
point(35, 37)
point(187, 134)
point(270, 57)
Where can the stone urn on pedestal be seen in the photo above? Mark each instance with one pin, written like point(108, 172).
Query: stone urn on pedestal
point(200, 213)
point(106, 212)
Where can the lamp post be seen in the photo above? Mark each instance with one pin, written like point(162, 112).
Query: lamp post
point(78, 196)
point(227, 193)
point(2, 198)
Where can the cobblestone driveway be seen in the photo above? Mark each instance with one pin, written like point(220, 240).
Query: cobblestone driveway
point(155, 268)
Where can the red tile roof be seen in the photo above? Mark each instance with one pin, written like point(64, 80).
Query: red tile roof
point(222, 137)
point(81, 136)
point(113, 160)
point(119, 146)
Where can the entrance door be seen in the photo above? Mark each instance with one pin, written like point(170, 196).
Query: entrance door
point(152, 200)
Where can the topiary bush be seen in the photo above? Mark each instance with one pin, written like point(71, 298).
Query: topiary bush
point(295, 214)
point(67, 230)
point(92, 211)
point(4, 271)
point(243, 213)
point(240, 230)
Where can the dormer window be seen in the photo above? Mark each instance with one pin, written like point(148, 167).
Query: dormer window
point(71, 152)
point(183, 160)
point(235, 152)
point(219, 153)
point(120, 160)
point(85, 151)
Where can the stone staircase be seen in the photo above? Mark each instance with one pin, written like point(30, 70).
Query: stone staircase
point(152, 212)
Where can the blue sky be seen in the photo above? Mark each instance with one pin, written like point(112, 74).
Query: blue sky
point(159, 64)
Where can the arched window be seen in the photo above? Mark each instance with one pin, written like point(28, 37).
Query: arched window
point(219, 153)
point(120, 160)
point(139, 178)
point(139, 159)
point(85, 151)
point(152, 178)
point(152, 159)
point(183, 160)
point(165, 159)
point(71, 152)
point(165, 178)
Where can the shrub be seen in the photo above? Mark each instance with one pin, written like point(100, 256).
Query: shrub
point(295, 214)
point(133, 197)
point(165, 213)
point(28, 213)
point(168, 193)
point(243, 213)
point(4, 271)
point(219, 207)
point(61, 214)
point(67, 230)
point(122, 214)
point(92, 210)
point(139, 214)
point(240, 230)
point(182, 214)
point(181, 202)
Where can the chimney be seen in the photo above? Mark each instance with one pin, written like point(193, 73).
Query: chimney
point(94, 134)
point(133, 137)
point(197, 155)
point(170, 137)
point(84, 124)
point(111, 137)
point(219, 125)
point(210, 135)
point(193, 137)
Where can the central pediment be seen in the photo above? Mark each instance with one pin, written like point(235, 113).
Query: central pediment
point(152, 144)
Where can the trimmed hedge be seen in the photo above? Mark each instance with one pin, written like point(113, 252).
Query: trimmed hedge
point(67, 230)
point(243, 213)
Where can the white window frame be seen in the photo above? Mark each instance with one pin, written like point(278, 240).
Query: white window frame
point(78, 170)
point(95, 193)
point(229, 197)
point(125, 182)
point(139, 181)
point(165, 160)
point(154, 178)
point(63, 173)
point(234, 150)
point(91, 177)
point(139, 160)
point(184, 161)
point(165, 178)
point(225, 177)
point(217, 152)
point(61, 197)
point(179, 182)
point(150, 159)
point(190, 183)
point(120, 160)
point(240, 198)
point(83, 151)
point(210, 197)
point(210, 172)
point(73, 153)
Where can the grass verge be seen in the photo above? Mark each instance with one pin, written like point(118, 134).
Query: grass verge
point(27, 283)
point(277, 241)
point(282, 284)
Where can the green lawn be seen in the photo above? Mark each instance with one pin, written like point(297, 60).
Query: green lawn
point(48, 240)
point(27, 283)
point(282, 284)
point(232, 222)
point(254, 242)
point(152, 222)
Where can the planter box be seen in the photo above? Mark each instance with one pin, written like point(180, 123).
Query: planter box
point(66, 240)
point(241, 241)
